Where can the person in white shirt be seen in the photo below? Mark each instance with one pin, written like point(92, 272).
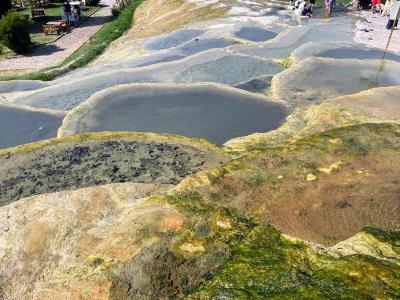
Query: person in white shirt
point(394, 15)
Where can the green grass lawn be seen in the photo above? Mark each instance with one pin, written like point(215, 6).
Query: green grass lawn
point(91, 49)
point(52, 12)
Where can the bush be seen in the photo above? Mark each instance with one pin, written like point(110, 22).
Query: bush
point(115, 10)
point(14, 32)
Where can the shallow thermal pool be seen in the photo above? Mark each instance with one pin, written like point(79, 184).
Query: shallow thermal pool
point(209, 111)
point(21, 125)
point(255, 34)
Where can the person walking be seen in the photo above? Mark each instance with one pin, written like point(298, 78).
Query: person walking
point(312, 4)
point(394, 15)
point(329, 4)
point(388, 6)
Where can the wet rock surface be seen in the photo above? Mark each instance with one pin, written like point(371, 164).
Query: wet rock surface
point(69, 165)
point(332, 173)
point(123, 215)
point(211, 66)
point(314, 80)
point(116, 241)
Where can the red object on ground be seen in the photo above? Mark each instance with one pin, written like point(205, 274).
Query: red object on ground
point(376, 2)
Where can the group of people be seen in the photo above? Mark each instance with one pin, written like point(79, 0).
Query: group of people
point(72, 13)
point(303, 7)
point(391, 8)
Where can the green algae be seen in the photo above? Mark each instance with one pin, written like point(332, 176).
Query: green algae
point(205, 217)
point(372, 135)
point(263, 264)
point(104, 136)
point(388, 237)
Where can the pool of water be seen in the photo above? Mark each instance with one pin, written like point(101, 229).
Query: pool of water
point(20, 85)
point(20, 126)
point(230, 69)
point(212, 66)
point(316, 79)
point(359, 53)
point(173, 39)
point(199, 45)
point(205, 111)
point(342, 51)
point(255, 34)
point(338, 30)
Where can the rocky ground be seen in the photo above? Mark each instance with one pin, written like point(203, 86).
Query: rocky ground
point(304, 207)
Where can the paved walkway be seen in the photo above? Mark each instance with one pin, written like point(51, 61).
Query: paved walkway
point(53, 53)
point(371, 31)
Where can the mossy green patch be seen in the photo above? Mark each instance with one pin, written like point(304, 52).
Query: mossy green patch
point(206, 219)
point(272, 184)
point(87, 137)
point(388, 237)
point(265, 265)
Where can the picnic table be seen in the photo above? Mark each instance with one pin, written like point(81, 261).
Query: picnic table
point(38, 13)
point(55, 27)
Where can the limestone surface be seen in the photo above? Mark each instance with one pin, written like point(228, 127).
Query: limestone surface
point(344, 179)
point(342, 51)
point(210, 66)
point(116, 241)
point(301, 201)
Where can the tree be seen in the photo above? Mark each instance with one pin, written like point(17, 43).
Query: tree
point(14, 32)
point(5, 5)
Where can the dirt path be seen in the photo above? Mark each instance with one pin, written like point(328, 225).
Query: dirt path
point(53, 53)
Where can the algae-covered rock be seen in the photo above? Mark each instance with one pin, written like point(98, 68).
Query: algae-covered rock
point(94, 159)
point(108, 242)
point(114, 241)
point(289, 186)
point(378, 105)
point(371, 241)
point(265, 265)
